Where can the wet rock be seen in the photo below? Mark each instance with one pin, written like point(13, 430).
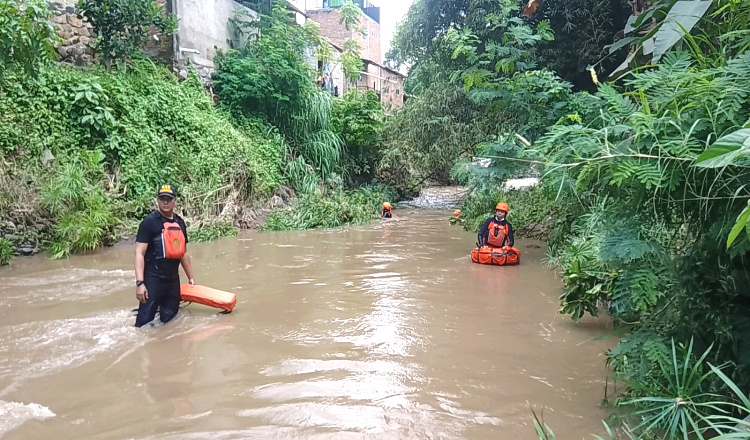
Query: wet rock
point(57, 6)
point(63, 51)
point(78, 50)
point(70, 10)
point(533, 246)
point(12, 238)
point(9, 225)
point(26, 251)
point(59, 19)
point(39, 227)
point(276, 202)
point(74, 21)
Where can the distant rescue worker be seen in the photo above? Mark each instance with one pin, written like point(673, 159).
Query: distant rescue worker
point(160, 248)
point(497, 231)
point(386, 212)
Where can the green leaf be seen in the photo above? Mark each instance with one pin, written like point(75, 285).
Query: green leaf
point(621, 43)
point(739, 226)
point(725, 150)
point(684, 13)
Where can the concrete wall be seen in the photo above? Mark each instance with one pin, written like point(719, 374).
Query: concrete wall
point(389, 85)
point(370, 77)
point(204, 25)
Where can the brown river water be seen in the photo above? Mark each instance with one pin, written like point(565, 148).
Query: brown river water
point(384, 331)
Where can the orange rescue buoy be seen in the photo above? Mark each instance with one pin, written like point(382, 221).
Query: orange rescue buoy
point(497, 256)
point(208, 297)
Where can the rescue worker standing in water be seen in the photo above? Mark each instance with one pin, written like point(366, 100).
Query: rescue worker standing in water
point(160, 248)
point(497, 231)
point(386, 212)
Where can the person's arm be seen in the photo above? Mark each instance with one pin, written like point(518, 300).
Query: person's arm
point(483, 231)
point(511, 241)
point(185, 261)
point(141, 293)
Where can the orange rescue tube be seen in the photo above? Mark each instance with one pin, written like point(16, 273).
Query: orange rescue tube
point(208, 297)
point(497, 256)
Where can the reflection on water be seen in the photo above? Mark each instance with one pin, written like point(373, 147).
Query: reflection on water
point(385, 331)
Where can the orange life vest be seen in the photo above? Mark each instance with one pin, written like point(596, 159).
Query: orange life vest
point(172, 241)
point(497, 234)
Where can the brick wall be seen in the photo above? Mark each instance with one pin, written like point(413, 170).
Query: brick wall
point(370, 44)
point(337, 33)
point(392, 91)
point(330, 26)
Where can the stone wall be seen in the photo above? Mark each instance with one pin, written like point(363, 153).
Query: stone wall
point(76, 34)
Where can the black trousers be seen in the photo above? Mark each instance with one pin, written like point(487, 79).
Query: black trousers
point(163, 295)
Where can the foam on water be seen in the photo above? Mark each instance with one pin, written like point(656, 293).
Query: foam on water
point(73, 284)
point(36, 349)
point(15, 414)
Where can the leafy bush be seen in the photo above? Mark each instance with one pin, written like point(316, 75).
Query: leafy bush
point(6, 251)
point(331, 209)
point(148, 128)
point(358, 118)
point(211, 229)
point(123, 27)
point(73, 196)
point(27, 38)
point(270, 79)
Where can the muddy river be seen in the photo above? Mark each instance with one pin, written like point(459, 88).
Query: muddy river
point(385, 331)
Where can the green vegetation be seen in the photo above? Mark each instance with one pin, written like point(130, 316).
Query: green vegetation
point(83, 149)
point(330, 144)
point(114, 137)
point(26, 37)
point(123, 27)
point(330, 209)
point(643, 197)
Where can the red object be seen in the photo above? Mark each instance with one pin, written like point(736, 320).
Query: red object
point(495, 255)
point(208, 297)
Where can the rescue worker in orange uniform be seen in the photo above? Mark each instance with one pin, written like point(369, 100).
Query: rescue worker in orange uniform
point(386, 212)
point(497, 231)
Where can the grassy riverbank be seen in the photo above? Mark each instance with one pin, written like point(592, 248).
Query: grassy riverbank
point(82, 150)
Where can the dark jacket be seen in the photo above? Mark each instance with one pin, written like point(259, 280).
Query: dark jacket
point(484, 232)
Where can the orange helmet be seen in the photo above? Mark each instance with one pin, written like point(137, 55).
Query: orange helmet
point(386, 205)
point(502, 206)
point(456, 212)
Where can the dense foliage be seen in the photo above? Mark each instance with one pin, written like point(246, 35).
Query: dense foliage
point(330, 142)
point(330, 209)
point(26, 37)
point(123, 26)
point(69, 130)
point(643, 196)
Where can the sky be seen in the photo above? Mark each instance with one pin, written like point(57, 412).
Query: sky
point(391, 12)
